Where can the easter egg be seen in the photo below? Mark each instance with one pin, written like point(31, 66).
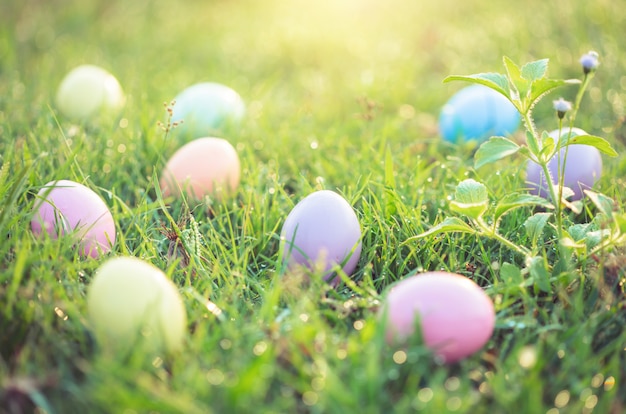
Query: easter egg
point(206, 108)
point(477, 113)
point(583, 167)
point(68, 208)
point(456, 317)
point(322, 231)
point(202, 167)
point(131, 302)
point(87, 91)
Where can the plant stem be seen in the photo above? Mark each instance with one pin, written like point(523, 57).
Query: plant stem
point(530, 125)
point(487, 231)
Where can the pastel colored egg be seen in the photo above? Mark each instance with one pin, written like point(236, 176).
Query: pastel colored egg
point(322, 231)
point(206, 108)
point(87, 91)
point(131, 302)
point(456, 317)
point(476, 113)
point(68, 208)
point(202, 167)
point(583, 167)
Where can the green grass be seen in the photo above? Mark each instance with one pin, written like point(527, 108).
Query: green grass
point(307, 71)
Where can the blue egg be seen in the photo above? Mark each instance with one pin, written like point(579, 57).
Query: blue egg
point(477, 113)
point(206, 108)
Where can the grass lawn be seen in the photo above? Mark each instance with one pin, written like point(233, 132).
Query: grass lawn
point(340, 95)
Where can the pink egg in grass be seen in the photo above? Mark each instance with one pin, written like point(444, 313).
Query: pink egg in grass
point(321, 232)
point(203, 167)
point(68, 208)
point(583, 167)
point(456, 317)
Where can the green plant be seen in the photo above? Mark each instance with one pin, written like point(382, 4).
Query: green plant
point(524, 87)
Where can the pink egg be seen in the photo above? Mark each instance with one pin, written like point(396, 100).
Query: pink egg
point(583, 167)
point(457, 318)
point(322, 231)
point(67, 208)
point(202, 167)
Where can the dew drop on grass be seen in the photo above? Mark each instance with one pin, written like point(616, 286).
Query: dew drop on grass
point(260, 348)
point(399, 357)
point(561, 399)
point(60, 313)
point(310, 398)
point(452, 384)
point(527, 357)
point(425, 395)
point(597, 381)
point(609, 383)
point(215, 376)
point(454, 403)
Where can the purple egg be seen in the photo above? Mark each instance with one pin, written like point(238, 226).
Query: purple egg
point(322, 231)
point(583, 167)
point(67, 208)
point(455, 315)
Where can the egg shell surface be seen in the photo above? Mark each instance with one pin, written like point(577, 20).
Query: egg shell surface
point(477, 113)
point(583, 167)
point(456, 317)
point(322, 231)
point(130, 301)
point(206, 108)
point(66, 207)
point(203, 167)
point(87, 91)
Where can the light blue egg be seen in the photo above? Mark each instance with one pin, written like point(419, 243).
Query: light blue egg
point(206, 108)
point(477, 113)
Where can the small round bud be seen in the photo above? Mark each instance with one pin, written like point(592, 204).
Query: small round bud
point(561, 106)
point(589, 61)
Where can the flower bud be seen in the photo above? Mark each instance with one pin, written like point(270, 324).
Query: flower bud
point(589, 61)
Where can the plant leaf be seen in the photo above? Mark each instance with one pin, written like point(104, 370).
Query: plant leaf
point(471, 199)
point(449, 225)
point(511, 274)
point(603, 203)
point(495, 81)
point(543, 86)
point(471, 191)
point(516, 200)
point(533, 71)
point(533, 145)
point(493, 150)
point(534, 226)
point(521, 85)
point(539, 273)
point(547, 146)
point(600, 143)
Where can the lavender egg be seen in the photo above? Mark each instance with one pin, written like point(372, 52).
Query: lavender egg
point(206, 108)
point(455, 315)
point(322, 231)
point(68, 208)
point(583, 167)
point(476, 113)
